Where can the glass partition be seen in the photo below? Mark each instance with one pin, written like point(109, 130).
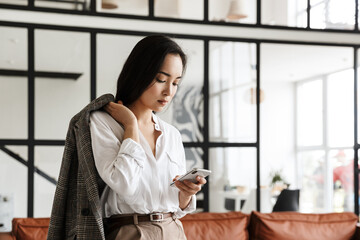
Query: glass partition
point(233, 179)
point(340, 98)
point(13, 197)
point(47, 165)
point(138, 7)
point(14, 88)
point(13, 48)
point(78, 5)
point(183, 9)
point(312, 172)
point(232, 86)
point(291, 13)
point(332, 14)
point(307, 111)
point(14, 2)
point(64, 86)
point(194, 159)
point(342, 164)
point(235, 11)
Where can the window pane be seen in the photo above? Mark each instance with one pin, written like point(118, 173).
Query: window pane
point(14, 2)
point(184, 9)
point(237, 11)
point(310, 103)
point(233, 177)
point(311, 174)
point(285, 13)
point(14, 117)
point(232, 92)
point(13, 197)
point(332, 14)
point(78, 5)
point(57, 100)
point(47, 163)
point(13, 48)
point(186, 111)
point(13, 57)
point(107, 68)
point(342, 162)
point(341, 108)
point(138, 7)
point(317, 16)
point(194, 159)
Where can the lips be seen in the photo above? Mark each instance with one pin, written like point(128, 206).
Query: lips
point(163, 102)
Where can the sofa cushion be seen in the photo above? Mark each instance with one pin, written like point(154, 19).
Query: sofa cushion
point(201, 226)
point(294, 226)
point(30, 228)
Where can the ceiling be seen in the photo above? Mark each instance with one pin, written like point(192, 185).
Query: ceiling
point(289, 62)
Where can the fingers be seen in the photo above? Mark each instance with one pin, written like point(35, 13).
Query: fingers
point(176, 178)
point(111, 107)
point(201, 180)
point(187, 186)
point(184, 188)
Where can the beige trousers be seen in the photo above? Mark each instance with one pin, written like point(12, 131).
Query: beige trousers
point(169, 229)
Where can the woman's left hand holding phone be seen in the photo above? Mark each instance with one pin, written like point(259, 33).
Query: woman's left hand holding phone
point(187, 189)
point(125, 117)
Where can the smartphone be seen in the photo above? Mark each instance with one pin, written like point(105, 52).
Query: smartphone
point(192, 174)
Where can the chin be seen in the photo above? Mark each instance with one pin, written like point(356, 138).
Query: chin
point(157, 109)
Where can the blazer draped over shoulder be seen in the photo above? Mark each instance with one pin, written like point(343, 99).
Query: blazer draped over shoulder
point(76, 211)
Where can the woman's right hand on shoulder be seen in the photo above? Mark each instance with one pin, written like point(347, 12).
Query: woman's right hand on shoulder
point(121, 114)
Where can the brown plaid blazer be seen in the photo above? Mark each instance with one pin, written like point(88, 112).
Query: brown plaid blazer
point(76, 211)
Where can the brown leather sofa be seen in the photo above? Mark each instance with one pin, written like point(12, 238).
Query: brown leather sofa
point(271, 226)
point(234, 225)
point(27, 229)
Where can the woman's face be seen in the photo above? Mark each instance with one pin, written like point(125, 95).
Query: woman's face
point(165, 84)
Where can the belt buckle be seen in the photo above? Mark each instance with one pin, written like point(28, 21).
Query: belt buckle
point(156, 219)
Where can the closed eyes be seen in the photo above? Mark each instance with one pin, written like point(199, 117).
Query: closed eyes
point(164, 81)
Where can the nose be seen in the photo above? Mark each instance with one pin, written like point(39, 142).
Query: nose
point(168, 89)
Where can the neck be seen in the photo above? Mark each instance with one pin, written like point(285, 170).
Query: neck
point(144, 116)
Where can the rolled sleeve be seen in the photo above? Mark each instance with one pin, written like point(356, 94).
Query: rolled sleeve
point(189, 209)
point(132, 149)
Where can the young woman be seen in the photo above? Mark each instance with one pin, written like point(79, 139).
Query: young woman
point(137, 154)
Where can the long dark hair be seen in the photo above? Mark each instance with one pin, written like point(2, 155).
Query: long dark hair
point(143, 64)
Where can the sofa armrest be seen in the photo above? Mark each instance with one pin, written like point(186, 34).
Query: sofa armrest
point(6, 236)
point(357, 233)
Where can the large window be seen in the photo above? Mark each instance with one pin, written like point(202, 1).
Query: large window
point(325, 126)
point(307, 123)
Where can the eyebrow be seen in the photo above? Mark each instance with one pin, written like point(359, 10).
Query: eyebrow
point(167, 74)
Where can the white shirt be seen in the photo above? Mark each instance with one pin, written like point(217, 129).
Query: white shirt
point(137, 182)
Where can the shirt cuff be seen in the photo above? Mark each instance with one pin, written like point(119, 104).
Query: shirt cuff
point(189, 209)
point(134, 150)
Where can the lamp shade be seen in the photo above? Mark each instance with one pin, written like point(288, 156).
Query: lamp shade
point(237, 9)
point(109, 4)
